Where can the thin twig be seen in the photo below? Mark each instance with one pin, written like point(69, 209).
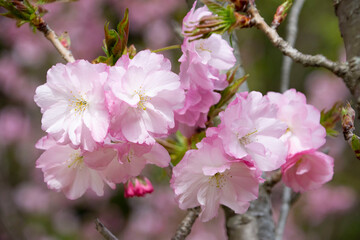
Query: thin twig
point(53, 38)
point(339, 69)
point(284, 212)
point(292, 29)
point(107, 235)
point(186, 224)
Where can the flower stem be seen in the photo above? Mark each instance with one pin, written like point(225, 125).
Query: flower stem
point(166, 48)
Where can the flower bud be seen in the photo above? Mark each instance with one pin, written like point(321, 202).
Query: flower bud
point(137, 186)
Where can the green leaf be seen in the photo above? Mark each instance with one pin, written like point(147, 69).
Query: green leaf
point(227, 94)
point(355, 145)
point(328, 119)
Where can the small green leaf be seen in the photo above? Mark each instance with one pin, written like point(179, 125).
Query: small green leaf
point(355, 145)
point(328, 119)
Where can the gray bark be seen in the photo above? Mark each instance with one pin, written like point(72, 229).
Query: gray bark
point(348, 12)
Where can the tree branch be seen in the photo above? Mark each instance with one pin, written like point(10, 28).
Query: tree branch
point(240, 226)
point(186, 224)
point(292, 29)
point(339, 69)
point(107, 235)
point(284, 212)
point(53, 38)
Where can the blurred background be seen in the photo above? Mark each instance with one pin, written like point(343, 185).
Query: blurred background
point(28, 210)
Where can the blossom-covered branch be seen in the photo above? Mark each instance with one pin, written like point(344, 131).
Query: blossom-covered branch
point(186, 224)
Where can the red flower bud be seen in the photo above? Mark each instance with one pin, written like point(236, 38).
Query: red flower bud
point(138, 186)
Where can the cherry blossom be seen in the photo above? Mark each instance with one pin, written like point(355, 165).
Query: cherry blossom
point(146, 93)
point(249, 129)
point(73, 104)
point(304, 129)
point(65, 170)
point(208, 177)
point(130, 159)
point(307, 170)
point(193, 17)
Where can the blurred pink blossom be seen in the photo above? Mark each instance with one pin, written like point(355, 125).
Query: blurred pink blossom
point(14, 125)
point(13, 83)
point(32, 198)
point(324, 89)
point(327, 201)
point(143, 12)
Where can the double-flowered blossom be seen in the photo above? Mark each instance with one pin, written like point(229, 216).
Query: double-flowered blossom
point(250, 129)
point(304, 129)
point(65, 170)
point(307, 170)
point(73, 171)
point(73, 104)
point(208, 177)
point(200, 71)
point(101, 121)
point(144, 95)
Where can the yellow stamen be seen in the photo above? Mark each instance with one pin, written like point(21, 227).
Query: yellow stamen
point(79, 104)
point(76, 161)
point(244, 140)
point(219, 179)
point(143, 99)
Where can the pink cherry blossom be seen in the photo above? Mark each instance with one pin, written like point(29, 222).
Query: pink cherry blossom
point(193, 17)
point(328, 200)
point(147, 93)
point(307, 170)
point(14, 126)
point(129, 160)
point(213, 51)
point(207, 177)
point(73, 104)
point(64, 170)
point(303, 120)
point(200, 75)
point(138, 186)
point(197, 104)
point(249, 129)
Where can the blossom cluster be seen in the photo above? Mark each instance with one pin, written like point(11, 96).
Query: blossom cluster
point(257, 134)
point(102, 121)
point(202, 71)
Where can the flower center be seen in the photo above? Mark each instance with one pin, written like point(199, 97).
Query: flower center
point(79, 104)
point(130, 155)
point(247, 139)
point(76, 161)
point(143, 98)
point(200, 47)
point(218, 180)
